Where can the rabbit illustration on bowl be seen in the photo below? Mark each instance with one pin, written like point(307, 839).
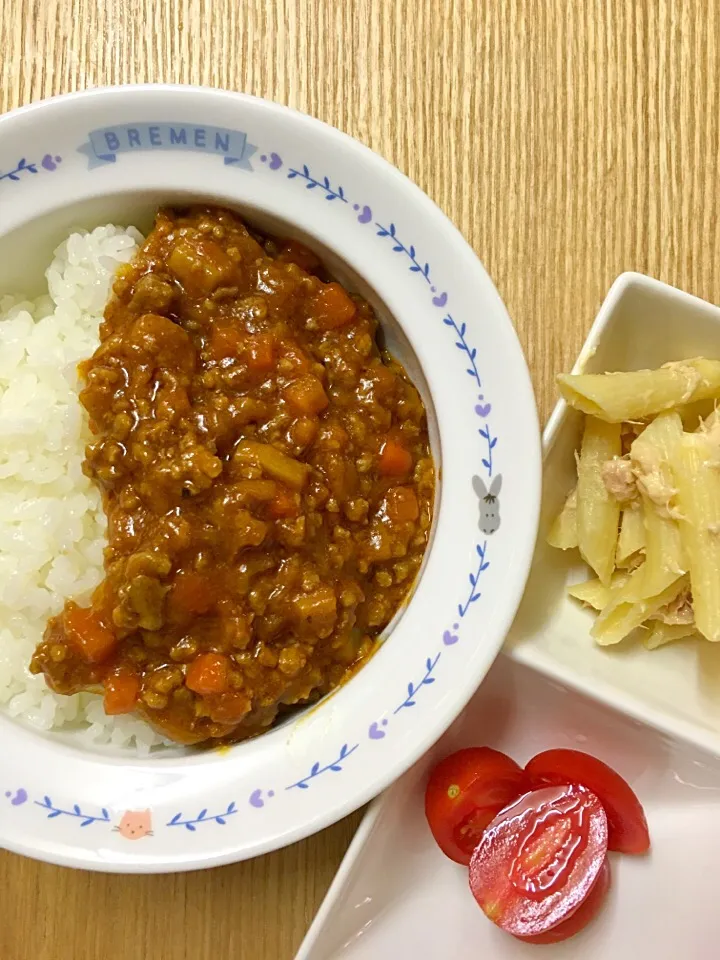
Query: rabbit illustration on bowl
point(489, 503)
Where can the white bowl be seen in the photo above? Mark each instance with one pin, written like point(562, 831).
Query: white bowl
point(642, 324)
point(110, 155)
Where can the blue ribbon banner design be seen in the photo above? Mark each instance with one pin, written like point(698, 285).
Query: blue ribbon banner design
point(104, 145)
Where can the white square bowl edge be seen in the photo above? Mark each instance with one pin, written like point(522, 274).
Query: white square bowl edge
point(642, 323)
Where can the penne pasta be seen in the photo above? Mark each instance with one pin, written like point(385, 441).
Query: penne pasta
point(594, 593)
point(661, 633)
point(651, 455)
point(563, 532)
point(698, 481)
point(621, 616)
point(632, 535)
point(598, 513)
point(640, 394)
point(664, 554)
point(645, 514)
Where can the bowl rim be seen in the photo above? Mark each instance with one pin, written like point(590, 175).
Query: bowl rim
point(521, 553)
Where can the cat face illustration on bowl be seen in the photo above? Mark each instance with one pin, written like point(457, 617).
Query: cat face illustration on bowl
point(489, 504)
point(135, 824)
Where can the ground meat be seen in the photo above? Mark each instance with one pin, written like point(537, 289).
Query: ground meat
point(619, 480)
point(678, 611)
point(650, 471)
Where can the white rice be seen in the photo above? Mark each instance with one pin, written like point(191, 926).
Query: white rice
point(52, 525)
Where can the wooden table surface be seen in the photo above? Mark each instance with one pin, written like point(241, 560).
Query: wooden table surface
point(568, 139)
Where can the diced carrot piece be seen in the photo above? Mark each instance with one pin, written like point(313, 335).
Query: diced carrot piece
point(307, 395)
point(230, 707)
point(208, 674)
point(295, 252)
point(395, 460)
point(122, 689)
point(402, 504)
point(332, 306)
point(192, 594)
point(284, 504)
point(227, 343)
point(260, 352)
point(88, 634)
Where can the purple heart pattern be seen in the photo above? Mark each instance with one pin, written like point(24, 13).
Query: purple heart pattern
point(375, 733)
point(256, 798)
point(51, 163)
point(273, 161)
point(18, 798)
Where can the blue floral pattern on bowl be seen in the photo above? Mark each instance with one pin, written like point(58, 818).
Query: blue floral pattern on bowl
point(49, 163)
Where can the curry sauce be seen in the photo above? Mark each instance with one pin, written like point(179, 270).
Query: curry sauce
point(267, 480)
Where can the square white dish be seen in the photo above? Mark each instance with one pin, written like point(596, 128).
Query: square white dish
point(642, 324)
point(396, 894)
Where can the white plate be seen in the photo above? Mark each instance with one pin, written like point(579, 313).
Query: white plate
point(642, 323)
point(397, 896)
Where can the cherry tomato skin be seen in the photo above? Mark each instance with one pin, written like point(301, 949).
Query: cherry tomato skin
point(627, 826)
point(539, 859)
point(465, 792)
point(585, 913)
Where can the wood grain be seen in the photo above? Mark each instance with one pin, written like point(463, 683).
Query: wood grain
point(568, 141)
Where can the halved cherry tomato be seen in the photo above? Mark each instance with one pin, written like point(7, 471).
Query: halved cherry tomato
point(586, 912)
point(539, 859)
point(627, 826)
point(465, 792)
